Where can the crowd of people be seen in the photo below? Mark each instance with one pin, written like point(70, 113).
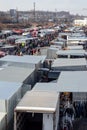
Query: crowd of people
point(32, 47)
point(67, 112)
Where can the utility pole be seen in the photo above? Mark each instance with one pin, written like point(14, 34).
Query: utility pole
point(55, 14)
point(34, 12)
point(17, 15)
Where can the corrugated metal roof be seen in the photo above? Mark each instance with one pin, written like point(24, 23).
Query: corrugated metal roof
point(73, 81)
point(15, 74)
point(40, 102)
point(65, 62)
point(45, 87)
point(23, 59)
point(7, 89)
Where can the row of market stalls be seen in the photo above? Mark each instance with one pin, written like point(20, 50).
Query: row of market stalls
point(70, 38)
point(53, 113)
point(48, 105)
point(11, 35)
point(68, 44)
point(70, 52)
point(70, 87)
point(17, 75)
point(67, 60)
point(41, 106)
point(26, 41)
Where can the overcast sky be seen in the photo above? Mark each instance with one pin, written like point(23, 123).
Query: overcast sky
point(74, 6)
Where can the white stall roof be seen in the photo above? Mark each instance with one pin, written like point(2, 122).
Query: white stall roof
point(15, 74)
point(7, 89)
point(45, 87)
point(78, 47)
point(72, 81)
point(80, 38)
point(65, 62)
point(71, 52)
point(53, 48)
point(22, 59)
point(37, 58)
point(40, 102)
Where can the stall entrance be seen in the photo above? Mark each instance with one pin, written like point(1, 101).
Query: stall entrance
point(33, 121)
point(29, 121)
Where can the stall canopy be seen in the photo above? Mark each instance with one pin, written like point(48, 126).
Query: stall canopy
point(72, 81)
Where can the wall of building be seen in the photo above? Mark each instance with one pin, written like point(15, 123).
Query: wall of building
point(80, 22)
